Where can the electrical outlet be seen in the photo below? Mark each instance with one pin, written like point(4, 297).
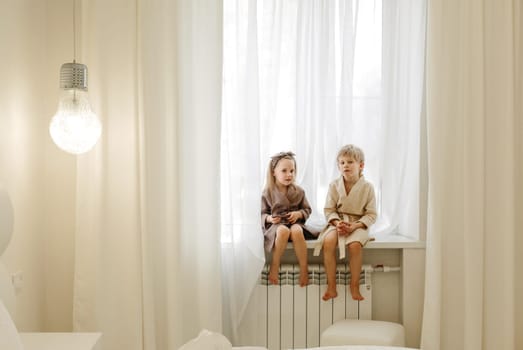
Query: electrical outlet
point(17, 279)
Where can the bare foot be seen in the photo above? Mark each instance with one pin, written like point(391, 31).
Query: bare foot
point(329, 295)
point(273, 276)
point(355, 291)
point(304, 278)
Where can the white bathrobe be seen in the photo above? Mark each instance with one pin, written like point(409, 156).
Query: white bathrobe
point(358, 205)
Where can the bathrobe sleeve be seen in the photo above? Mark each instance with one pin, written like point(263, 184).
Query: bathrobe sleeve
point(303, 206)
point(331, 202)
point(266, 208)
point(368, 201)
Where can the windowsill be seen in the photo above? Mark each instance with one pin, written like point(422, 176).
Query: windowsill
point(395, 241)
point(384, 242)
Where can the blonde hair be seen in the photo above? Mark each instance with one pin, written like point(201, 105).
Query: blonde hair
point(270, 184)
point(353, 152)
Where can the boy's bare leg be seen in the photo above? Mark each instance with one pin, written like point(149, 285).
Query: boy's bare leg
point(300, 248)
point(329, 261)
point(282, 237)
point(355, 260)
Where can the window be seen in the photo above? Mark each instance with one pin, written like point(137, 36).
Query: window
point(311, 76)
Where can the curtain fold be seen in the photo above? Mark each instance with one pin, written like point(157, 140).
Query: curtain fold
point(242, 241)
point(472, 111)
point(518, 136)
point(148, 240)
point(200, 81)
point(404, 24)
point(158, 151)
point(107, 277)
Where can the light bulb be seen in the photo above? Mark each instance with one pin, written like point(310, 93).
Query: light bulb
point(75, 128)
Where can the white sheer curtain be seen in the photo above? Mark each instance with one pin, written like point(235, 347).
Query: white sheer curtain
point(148, 243)
point(311, 76)
point(474, 94)
point(242, 243)
point(403, 60)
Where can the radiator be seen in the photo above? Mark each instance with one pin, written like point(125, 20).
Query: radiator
point(296, 316)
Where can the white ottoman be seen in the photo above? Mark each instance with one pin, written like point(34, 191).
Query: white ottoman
point(363, 332)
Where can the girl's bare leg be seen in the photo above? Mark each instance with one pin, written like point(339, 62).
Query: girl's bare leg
point(300, 248)
point(282, 237)
point(355, 260)
point(329, 261)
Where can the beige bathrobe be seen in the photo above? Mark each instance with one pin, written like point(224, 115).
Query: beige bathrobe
point(276, 203)
point(358, 205)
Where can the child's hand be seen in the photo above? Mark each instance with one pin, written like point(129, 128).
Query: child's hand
point(274, 219)
point(343, 228)
point(353, 226)
point(293, 216)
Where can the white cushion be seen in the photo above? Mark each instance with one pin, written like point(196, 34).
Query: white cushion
point(9, 338)
point(208, 340)
point(363, 332)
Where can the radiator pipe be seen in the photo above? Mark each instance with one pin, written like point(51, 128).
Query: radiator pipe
point(380, 268)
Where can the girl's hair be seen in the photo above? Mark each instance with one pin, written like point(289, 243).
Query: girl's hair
point(270, 183)
point(353, 152)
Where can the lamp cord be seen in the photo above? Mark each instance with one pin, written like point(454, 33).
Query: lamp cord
point(74, 31)
point(74, 42)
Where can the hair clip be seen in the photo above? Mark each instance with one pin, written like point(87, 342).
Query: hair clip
point(277, 157)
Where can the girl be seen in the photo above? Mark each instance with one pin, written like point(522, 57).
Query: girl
point(350, 209)
point(284, 210)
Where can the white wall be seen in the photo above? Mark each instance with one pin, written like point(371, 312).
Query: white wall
point(37, 176)
point(22, 42)
point(412, 294)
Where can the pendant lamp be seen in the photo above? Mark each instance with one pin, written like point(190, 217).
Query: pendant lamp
point(74, 128)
